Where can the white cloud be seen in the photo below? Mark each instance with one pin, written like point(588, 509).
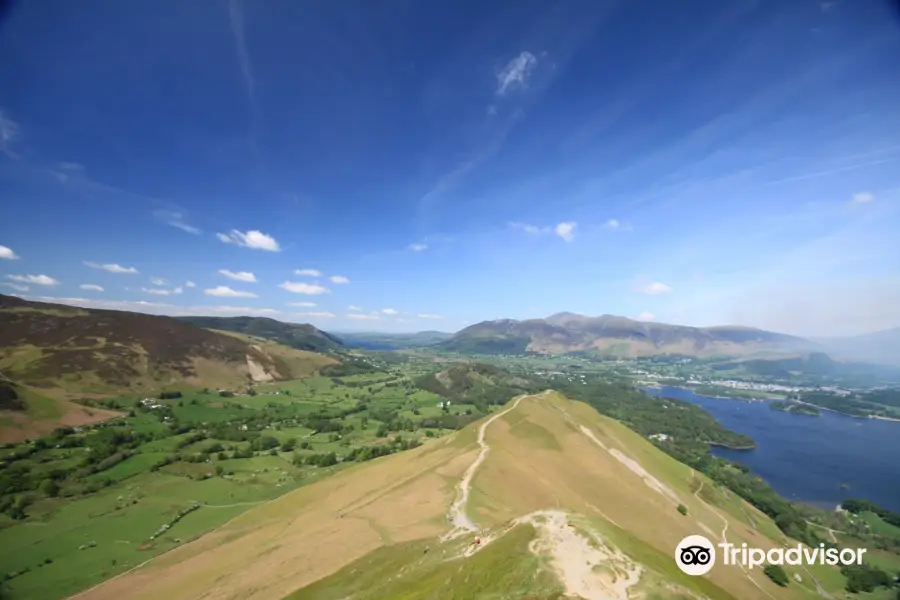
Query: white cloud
point(646, 316)
point(566, 230)
point(35, 279)
point(162, 292)
point(9, 131)
point(418, 247)
point(352, 307)
point(430, 316)
point(655, 288)
point(617, 225)
point(308, 272)
point(224, 291)
point(315, 315)
point(7, 253)
point(529, 228)
point(302, 304)
point(363, 317)
point(390, 311)
point(339, 279)
point(251, 239)
point(516, 72)
point(189, 284)
point(863, 197)
point(239, 276)
point(91, 286)
point(112, 268)
point(16, 286)
point(176, 219)
point(157, 281)
point(310, 289)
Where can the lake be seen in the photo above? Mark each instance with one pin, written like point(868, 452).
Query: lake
point(808, 458)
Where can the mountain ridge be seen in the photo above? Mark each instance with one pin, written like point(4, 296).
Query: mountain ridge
point(301, 336)
point(616, 335)
point(59, 353)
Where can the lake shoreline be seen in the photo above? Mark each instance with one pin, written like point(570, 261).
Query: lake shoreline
point(807, 460)
point(659, 386)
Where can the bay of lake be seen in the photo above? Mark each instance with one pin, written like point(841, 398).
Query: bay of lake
point(808, 458)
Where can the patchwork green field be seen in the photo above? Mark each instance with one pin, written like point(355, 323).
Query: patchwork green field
point(86, 503)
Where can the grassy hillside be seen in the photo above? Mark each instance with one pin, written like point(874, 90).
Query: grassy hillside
point(563, 490)
point(296, 335)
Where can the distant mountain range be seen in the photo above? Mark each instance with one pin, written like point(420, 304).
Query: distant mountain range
point(617, 336)
point(879, 347)
point(374, 340)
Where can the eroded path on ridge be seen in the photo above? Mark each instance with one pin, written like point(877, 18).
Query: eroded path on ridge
point(460, 521)
point(574, 556)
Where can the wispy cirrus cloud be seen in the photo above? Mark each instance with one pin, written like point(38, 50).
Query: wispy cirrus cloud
point(310, 289)
point(338, 279)
point(9, 132)
point(390, 311)
point(92, 287)
point(157, 281)
point(352, 307)
point(862, 198)
point(8, 254)
point(254, 239)
point(302, 304)
point(34, 279)
point(112, 268)
point(418, 247)
point(516, 72)
point(430, 316)
point(227, 292)
point(245, 276)
point(177, 220)
point(15, 286)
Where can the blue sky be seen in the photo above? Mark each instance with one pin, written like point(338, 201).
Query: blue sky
point(402, 165)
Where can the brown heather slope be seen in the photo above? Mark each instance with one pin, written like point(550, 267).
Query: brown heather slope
point(350, 535)
point(62, 352)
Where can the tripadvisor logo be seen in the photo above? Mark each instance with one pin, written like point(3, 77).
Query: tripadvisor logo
point(696, 555)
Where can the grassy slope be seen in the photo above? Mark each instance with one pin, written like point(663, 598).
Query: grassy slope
point(397, 504)
point(44, 412)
